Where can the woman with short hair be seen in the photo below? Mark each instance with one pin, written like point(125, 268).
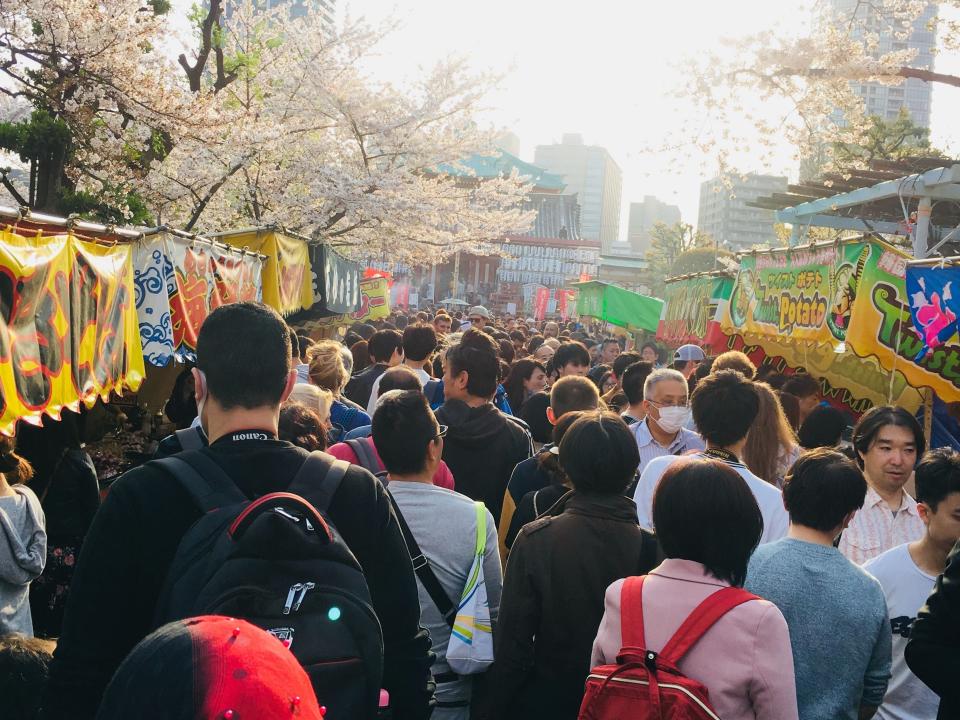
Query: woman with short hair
point(558, 569)
point(708, 524)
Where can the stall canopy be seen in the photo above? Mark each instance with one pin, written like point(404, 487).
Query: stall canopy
point(693, 305)
point(617, 306)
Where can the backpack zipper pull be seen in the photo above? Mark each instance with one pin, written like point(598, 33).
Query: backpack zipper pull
point(304, 589)
point(291, 594)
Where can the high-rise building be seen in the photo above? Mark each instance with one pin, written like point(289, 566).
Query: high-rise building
point(725, 216)
point(643, 216)
point(327, 9)
point(887, 100)
point(591, 173)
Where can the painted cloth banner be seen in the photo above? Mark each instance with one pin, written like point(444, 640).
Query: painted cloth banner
point(846, 382)
point(206, 277)
point(68, 325)
point(153, 284)
point(882, 328)
point(934, 305)
point(796, 295)
point(374, 305)
point(335, 281)
point(286, 277)
point(692, 310)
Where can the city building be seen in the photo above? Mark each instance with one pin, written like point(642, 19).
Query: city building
point(327, 9)
point(886, 100)
point(593, 175)
point(643, 216)
point(725, 216)
point(550, 254)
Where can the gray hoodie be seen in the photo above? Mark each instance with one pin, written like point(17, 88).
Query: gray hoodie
point(23, 553)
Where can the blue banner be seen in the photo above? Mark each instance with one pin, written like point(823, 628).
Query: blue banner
point(934, 305)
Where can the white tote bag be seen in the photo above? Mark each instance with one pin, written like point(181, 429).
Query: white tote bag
point(470, 649)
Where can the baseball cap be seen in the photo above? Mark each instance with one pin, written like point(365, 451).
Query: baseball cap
point(479, 310)
point(210, 667)
point(689, 352)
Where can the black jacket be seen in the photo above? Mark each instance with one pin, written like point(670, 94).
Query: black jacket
point(134, 538)
point(361, 385)
point(933, 653)
point(559, 569)
point(482, 447)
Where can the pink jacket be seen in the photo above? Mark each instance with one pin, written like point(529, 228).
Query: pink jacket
point(441, 478)
point(744, 660)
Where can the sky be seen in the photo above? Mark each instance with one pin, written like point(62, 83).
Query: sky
point(602, 68)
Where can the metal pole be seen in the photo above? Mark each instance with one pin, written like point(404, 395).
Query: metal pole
point(456, 276)
point(921, 232)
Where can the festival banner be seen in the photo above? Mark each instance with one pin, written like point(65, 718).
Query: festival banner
point(796, 295)
point(692, 309)
point(153, 284)
point(934, 305)
point(335, 281)
point(286, 277)
point(374, 305)
point(68, 325)
point(204, 278)
point(846, 382)
point(541, 299)
point(882, 329)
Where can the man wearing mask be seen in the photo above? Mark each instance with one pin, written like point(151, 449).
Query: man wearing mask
point(666, 411)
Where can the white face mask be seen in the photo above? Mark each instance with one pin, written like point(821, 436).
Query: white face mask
point(672, 418)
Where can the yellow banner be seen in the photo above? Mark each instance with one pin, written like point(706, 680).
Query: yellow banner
point(68, 325)
point(882, 331)
point(287, 284)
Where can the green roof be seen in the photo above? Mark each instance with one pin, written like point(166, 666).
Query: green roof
point(502, 164)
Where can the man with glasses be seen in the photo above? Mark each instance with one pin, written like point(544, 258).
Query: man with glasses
point(665, 412)
point(725, 405)
point(443, 524)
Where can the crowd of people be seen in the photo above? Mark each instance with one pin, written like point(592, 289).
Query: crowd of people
point(446, 515)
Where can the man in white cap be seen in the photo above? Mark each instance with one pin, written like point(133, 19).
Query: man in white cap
point(478, 316)
point(686, 359)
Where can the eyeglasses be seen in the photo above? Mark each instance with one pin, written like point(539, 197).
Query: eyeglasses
point(475, 320)
point(656, 404)
point(441, 432)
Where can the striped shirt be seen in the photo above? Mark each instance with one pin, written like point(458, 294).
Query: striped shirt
point(685, 441)
point(875, 528)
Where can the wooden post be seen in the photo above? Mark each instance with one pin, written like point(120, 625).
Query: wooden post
point(927, 415)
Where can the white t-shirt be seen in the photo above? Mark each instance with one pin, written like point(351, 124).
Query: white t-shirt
point(770, 499)
point(421, 374)
point(906, 588)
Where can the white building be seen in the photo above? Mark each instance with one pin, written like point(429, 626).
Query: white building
point(593, 175)
point(725, 216)
point(884, 100)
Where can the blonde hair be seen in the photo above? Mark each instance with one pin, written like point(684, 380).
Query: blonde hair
point(326, 366)
point(770, 436)
point(317, 399)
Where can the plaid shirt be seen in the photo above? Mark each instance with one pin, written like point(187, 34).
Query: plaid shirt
point(875, 529)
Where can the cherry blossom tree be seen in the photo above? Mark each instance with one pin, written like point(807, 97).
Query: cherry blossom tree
point(267, 120)
point(772, 86)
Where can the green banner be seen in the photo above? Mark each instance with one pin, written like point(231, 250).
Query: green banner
point(619, 307)
point(796, 295)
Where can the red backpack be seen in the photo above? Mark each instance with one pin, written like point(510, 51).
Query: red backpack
point(645, 685)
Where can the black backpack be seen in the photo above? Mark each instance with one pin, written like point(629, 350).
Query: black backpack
point(367, 459)
point(279, 563)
